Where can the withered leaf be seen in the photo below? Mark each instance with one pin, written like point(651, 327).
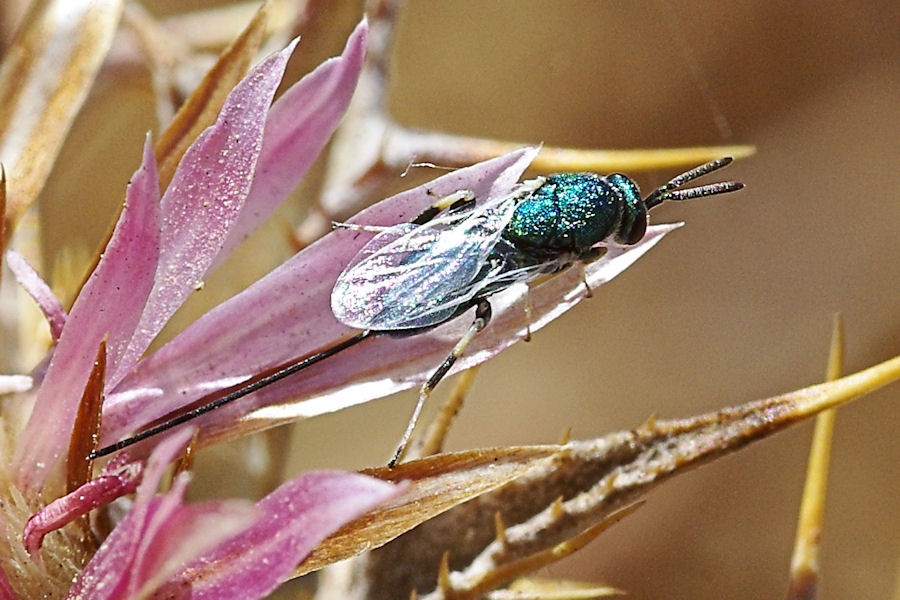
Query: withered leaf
point(436, 484)
point(44, 79)
point(85, 435)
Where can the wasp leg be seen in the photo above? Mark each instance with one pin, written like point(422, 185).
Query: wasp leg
point(587, 286)
point(587, 257)
point(432, 441)
point(528, 310)
point(456, 201)
point(355, 227)
point(482, 317)
point(453, 202)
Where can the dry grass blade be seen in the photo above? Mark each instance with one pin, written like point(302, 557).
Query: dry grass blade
point(210, 28)
point(804, 577)
point(2, 209)
point(432, 441)
point(595, 478)
point(44, 79)
point(164, 54)
point(606, 161)
point(553, 589)
point(452, 150)
point(437, 484)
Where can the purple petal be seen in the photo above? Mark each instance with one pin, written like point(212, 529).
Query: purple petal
point(170, 533)
point(141, 553)
point(97, 492)
point(285, 314)
point(298, 126)
point(158, 535)
point(109, 304)
point(107, 575)
point(206, 195)
point(176, 534)
point(295, 519)
point(38, 289)
point(6, 590)
point(164, 453)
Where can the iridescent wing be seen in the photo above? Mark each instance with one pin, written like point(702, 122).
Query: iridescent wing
point(417, 276)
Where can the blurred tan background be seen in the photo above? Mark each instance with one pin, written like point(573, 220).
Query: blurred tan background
point(733, 307)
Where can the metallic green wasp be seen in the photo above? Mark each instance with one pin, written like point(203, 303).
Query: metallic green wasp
point(415, 276)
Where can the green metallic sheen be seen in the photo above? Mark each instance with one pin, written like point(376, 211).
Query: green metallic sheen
point(575, 211)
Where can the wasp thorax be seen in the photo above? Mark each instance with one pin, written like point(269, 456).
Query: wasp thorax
point(575, 211)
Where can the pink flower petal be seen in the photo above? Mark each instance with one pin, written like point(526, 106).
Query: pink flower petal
point(97, 492)
point(107, 574)
point(175, 534)
point(158, 535)
point(140, 554)
point(38, 289)
point(171, 533)
point(164, 453)
point(206, 195)
point(109, 304)
point(219, 550)
point(6, 590)
point(285, 314)
point(295, 519)
point(297, 128)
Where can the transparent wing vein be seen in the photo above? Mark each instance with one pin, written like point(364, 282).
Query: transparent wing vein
point(416, 276)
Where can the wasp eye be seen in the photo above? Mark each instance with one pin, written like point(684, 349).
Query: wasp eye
point(632, 232)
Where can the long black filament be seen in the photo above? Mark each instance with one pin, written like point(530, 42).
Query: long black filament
point(240, 392)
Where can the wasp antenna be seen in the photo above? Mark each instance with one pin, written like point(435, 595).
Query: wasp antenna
point(706, 190)
point(713, 165)
point(665, 192)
